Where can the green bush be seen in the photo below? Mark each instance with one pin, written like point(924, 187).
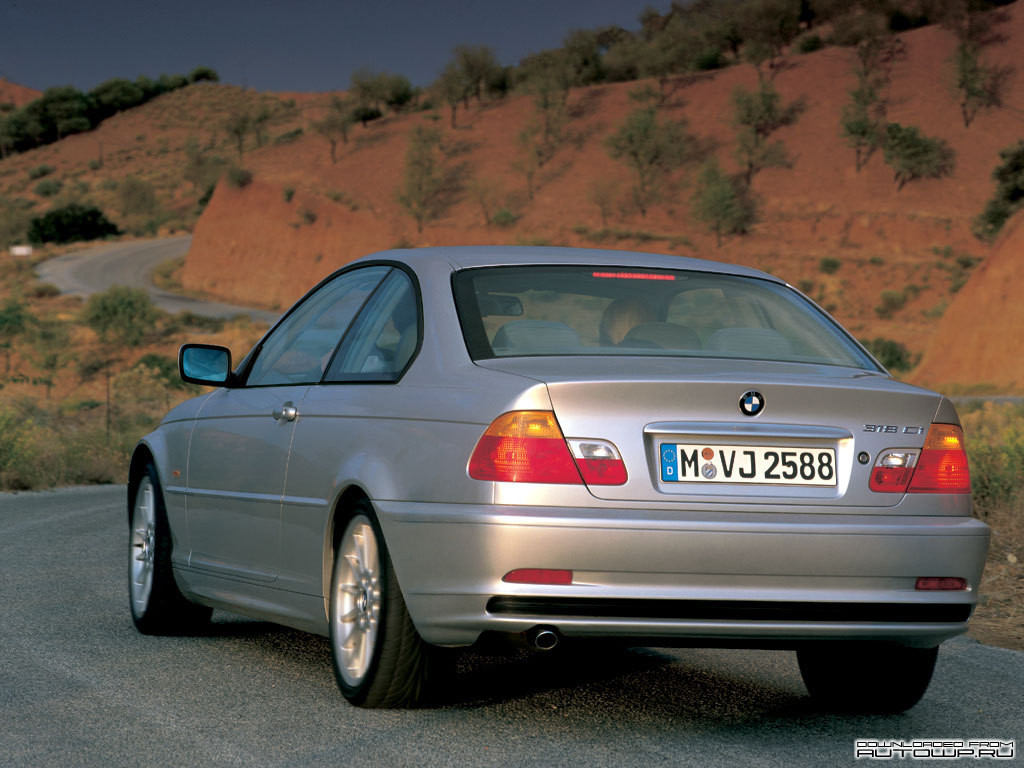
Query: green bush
point(69, 224)
point(239, 178)
point(288, 193)
point(39, 171)
point(121, 315)
point(308, 216)
point(138, 197)
point(892, 302)
point(504, 217)
point(912, 155)
point(48, 187)
point(891, 354)
point(810, 44)
point(289, 137)
point(829, 265)
point(1009, 196)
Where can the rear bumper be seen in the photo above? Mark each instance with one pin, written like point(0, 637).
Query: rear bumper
point(712, 578)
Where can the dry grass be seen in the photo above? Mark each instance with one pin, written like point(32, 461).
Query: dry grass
point(999, 618)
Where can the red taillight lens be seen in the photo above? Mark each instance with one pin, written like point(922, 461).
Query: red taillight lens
point(892, 471)
point(943, 583)
point(538, 576)
point(524, 447)
point(942, 467)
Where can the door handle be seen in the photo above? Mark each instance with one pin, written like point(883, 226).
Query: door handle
point(286, 412)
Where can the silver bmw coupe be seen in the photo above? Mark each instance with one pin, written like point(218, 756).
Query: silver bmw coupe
point(443, 445)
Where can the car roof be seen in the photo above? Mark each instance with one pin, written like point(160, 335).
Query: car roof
point(470, 256)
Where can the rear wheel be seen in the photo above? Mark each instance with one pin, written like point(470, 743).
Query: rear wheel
point(882, 679)
point(157, 606)
point(380, 660)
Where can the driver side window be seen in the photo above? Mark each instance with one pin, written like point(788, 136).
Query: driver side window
point(298, 350)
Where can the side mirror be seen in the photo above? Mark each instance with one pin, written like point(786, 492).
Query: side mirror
point(205, 364)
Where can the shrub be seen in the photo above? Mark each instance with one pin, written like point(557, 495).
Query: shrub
point(137, 197)
point(200, 74)
point(892, 302)
point(289, 137)
point(1009, 196)
point(39, 171)
point(891, 354)
point(505, 217)
point(48, 187)
point(239, 178)
point(829, 265)
point(309, 216)
point(288, 193)
point(70, 223)
point(912, 155)
point(121, 315)
point(810, 44)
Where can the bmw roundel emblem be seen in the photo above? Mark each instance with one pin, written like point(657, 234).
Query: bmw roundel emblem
point(752, 403)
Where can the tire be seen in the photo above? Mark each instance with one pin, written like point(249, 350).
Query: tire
point(867, 678)
point(379, 658)
point(157, 605)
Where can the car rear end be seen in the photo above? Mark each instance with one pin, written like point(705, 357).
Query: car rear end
point(737, 472)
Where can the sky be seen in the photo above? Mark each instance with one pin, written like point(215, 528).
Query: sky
point(305, 45)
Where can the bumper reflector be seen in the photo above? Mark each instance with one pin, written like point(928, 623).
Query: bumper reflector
point(538, 576)
point(944, 583)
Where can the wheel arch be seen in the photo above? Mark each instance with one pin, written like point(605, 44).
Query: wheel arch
point(343, 505)
point(142, 456)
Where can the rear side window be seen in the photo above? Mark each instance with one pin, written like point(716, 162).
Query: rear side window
point(563, 310)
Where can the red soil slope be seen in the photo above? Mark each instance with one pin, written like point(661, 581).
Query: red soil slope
point(18, 95)
point(980, 339)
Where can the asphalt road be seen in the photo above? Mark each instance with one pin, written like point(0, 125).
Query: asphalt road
point(80, 687)
point(131, 263)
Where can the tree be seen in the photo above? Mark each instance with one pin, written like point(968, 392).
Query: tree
point(652, 148)
point(201, 169)
point(453, 87)
point(14, 321)
point(52, 351)
point(529, 160)
point(335, 124)
point(121, 316)
point(488, 195)
point(477, 65)
point(603, 192)
point(912, 155)
point(757, 115)
point(767, 27)
point(423, 182)
point(238, 124)
point(978, 86)
point(720, 203)
point(862, 123)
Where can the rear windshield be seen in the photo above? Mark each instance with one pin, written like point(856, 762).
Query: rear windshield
point(572, 310)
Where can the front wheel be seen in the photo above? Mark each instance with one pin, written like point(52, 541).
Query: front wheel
point(158, 607)
point(379, 658)
point(869, 678)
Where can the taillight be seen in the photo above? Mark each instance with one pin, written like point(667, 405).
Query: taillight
point(892, 471)
point(598, 461)
point(939, 467)
point(942, 467)
point(524, 447)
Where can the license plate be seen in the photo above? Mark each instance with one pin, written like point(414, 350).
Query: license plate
point(703, 463)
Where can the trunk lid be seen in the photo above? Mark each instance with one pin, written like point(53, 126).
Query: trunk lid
point(647, 405)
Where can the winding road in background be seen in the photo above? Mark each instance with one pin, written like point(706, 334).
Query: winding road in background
point(132, 263)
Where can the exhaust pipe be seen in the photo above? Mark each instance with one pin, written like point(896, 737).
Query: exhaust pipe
point(543, 638)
